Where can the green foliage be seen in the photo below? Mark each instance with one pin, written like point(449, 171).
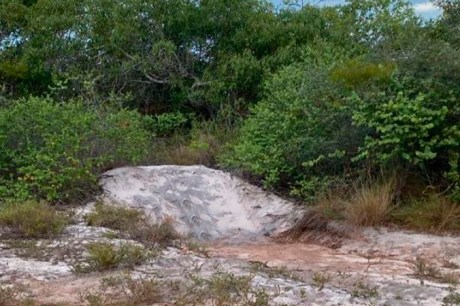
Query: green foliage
point(300, 133)
point(356, 73)
point(31, 219)
point(404, 128)
point(55, 151)
point(105, 256)
point(167, 123)
point(410, 130)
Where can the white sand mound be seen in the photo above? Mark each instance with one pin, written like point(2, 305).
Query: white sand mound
point(205, 203)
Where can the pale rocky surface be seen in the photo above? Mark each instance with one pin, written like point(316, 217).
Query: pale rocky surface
point(369, 266)
point(204, 203)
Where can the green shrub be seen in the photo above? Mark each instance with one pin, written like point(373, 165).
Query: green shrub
point(105, 256)
point(167, 123)
point(300, 135)
point(56, 151)
point(31, 219)
point(412, 131)
point(201, 146)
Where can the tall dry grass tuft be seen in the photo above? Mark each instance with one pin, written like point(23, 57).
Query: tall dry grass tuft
point(434, 213)
point(370, 203)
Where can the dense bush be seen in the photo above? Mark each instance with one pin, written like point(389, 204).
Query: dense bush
point(412, 130)
point(55, 151)
point(300, 134)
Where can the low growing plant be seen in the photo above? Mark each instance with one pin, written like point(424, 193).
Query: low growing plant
point(133, 224)
point(114, 217)
point(106, 256)
point(31, 219)
point(432, 213)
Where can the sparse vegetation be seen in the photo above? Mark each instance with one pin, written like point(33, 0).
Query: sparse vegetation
point(363, 290)
point(114, 217)
point(198, 247)
point(425, 269)
point(133, 224)
point(274, 271)
point(451, 299)
point(31, 219)
point(106, 256)
point(450, 278)
point(8, 295)
point(123, 290)
point(320, 279)
point(152, 235)
point(223, 289)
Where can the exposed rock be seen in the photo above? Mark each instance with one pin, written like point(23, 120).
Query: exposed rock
point(205, 203)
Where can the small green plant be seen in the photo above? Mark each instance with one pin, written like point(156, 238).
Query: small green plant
point(363, 290)
point(451, 299)
point(31, 219)
point(55, 151)
point(321, 279)
point(105, 256)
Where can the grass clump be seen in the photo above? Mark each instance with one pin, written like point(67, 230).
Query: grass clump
point(320, 279)
point(105, 256)
point(370, 204)
point(117, 218)
point(363, 290)
point(133, 224)
point(198, 247)
point(433, 213)
point(153, 235)
point(32, 219)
